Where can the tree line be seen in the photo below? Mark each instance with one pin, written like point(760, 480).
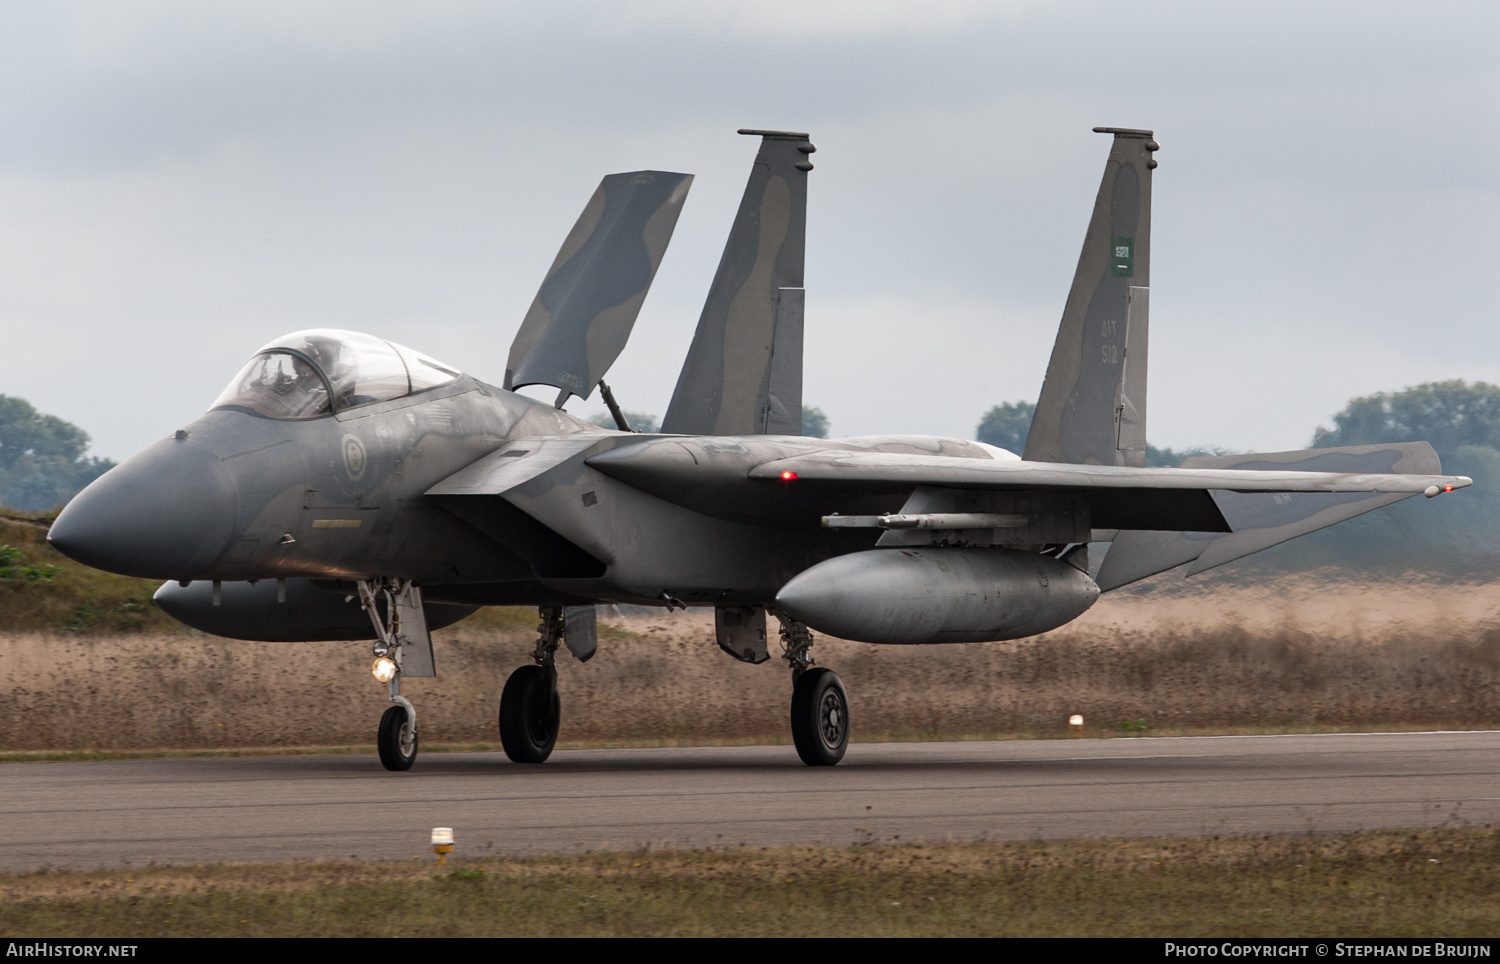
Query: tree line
point(1457, 536)
point(44, 460)
point(1451, 415)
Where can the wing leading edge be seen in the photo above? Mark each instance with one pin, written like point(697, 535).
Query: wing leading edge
point(976, 473)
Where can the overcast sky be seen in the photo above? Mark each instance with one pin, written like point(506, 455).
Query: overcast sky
point(182, 182)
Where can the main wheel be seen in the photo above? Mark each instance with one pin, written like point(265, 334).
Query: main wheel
point(530, 712)
point(820, 718)
point(397, 740)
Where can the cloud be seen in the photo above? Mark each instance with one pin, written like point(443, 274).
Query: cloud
point(182, 182)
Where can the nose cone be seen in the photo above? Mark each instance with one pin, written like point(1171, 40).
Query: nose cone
point(167, 513)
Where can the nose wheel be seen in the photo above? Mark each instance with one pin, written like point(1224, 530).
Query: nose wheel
point(397, 741)
point(402, 642)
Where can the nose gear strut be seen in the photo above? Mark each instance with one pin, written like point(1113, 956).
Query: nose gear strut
point(402, 640)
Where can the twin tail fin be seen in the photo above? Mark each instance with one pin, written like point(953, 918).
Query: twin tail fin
point(1092, 409)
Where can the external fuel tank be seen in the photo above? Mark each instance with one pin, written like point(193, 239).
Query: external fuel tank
point(296, 612)
point(914, 596)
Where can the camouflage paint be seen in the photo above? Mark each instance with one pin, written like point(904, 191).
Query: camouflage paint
point(583, 313)
point(1079, 414)
point(743, 374)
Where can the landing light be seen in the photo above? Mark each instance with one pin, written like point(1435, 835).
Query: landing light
point(384, 669)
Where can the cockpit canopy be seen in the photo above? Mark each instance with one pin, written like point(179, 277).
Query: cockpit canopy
point(315, 372)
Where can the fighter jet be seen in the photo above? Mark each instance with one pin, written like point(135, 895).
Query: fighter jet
point(346, 487)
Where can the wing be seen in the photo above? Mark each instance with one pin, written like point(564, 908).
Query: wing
point(920, 491)
point(1259, 520)
point(974, 473)
point(796, 482)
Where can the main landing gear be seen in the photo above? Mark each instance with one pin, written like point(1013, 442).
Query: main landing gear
point(530, 709)
point(820, 707)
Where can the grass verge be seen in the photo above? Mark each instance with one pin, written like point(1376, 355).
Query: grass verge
point(1435, 883)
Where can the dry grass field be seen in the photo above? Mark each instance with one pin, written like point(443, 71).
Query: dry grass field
point(1433, 883)
point(89, 667)
point(1178, 656)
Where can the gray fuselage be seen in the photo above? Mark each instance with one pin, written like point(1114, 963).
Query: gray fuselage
point(237, 496)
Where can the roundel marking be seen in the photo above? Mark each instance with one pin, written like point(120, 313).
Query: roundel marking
point(354, 457)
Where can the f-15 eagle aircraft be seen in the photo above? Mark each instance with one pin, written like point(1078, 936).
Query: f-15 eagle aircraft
point(344, 487)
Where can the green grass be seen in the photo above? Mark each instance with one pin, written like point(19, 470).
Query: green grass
point(48, 592)
point(1436, 883)
point(71, 597)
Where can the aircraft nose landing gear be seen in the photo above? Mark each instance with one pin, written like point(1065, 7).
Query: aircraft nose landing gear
point(820, 707)
point(397, 740)
point(403, 644)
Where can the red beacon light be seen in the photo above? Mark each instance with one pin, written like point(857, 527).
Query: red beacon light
point(789, 476)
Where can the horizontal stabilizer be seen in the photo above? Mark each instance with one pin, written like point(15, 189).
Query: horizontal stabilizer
point(743, 373)
point(1260, 520)
point(582, 314)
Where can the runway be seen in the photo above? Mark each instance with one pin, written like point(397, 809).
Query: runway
point(281, 808)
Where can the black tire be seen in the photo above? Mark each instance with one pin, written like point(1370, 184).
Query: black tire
point(530, 712)
point(820, 718)
point(393, 726)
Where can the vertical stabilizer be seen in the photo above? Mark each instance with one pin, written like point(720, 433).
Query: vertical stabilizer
point(743, 374)
point(582, 314)
point(1093, 403)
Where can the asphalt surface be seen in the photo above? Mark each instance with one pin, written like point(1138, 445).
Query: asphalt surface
point(280, 808)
